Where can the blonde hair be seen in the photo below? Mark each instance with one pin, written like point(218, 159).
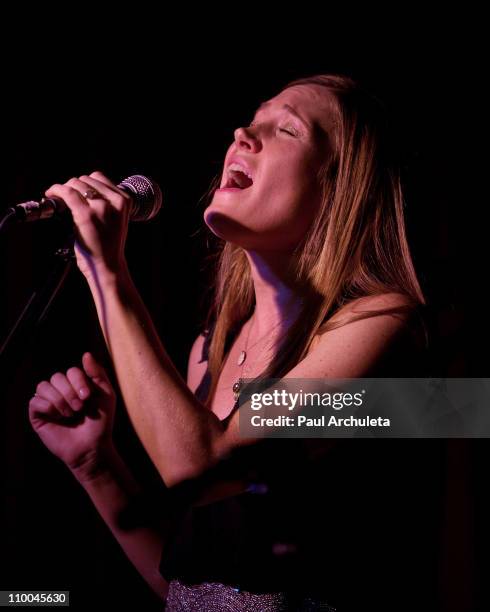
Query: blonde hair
point(355, 247)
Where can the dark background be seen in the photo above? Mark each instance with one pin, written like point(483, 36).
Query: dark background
point(86, 99)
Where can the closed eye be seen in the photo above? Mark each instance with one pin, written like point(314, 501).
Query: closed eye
point(290, 132)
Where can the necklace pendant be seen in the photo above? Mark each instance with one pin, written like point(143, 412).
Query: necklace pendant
point(236, 388)
point(241, 359)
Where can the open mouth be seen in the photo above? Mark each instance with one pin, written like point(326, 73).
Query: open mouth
point(238, 178)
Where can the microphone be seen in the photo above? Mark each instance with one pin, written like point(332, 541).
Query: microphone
point(146, 201)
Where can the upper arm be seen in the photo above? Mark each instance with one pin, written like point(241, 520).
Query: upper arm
point(195, 368)
point(354, 349)
point(349, 351)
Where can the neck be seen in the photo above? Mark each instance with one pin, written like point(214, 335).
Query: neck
point(277, 297)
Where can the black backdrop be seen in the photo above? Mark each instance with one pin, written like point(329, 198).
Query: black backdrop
point(123, 105)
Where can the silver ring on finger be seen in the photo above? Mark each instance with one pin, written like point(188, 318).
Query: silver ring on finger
point(91, 194)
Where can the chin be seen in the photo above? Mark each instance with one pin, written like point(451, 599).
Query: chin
point(229, 229)
point(220, 223)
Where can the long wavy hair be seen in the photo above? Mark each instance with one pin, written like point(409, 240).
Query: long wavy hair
point(355, 247)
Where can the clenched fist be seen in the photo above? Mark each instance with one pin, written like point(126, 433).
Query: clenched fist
point(73, 414)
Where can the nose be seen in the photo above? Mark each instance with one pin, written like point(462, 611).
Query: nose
point(244, 139)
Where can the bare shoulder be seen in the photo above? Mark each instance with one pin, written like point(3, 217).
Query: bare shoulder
point(404, 320)
point(354, 348)
point(374, 303)
point(351, 350)
point(371, 304)
point(196, 368)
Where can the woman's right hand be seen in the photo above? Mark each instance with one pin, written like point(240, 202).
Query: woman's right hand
point(100, 212)
point(73, 414)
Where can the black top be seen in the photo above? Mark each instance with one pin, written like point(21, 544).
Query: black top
point(354, 525)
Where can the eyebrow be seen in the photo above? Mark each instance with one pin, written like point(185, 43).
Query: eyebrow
point(291, 111)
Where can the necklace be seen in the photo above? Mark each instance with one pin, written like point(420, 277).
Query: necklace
point(243, 356)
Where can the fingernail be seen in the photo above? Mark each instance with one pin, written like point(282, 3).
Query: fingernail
point(76, 404)
point(83, 392)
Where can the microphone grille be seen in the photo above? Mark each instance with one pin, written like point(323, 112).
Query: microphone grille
point(146, 197)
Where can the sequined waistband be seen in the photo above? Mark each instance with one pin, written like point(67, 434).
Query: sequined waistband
point(216, 597)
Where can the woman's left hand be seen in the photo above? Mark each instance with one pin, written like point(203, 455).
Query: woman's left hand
point(100, 213)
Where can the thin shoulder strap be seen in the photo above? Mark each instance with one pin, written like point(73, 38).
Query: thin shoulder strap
point(204, 386)
point(203, 389)
point(208, 333)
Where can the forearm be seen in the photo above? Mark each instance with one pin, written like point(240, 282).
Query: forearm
point(177, 432)
point(113, 491)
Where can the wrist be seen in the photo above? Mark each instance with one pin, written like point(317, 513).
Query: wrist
point(109, 278)
point(96, 466)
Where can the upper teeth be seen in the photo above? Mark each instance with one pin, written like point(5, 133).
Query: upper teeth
point(239, 168)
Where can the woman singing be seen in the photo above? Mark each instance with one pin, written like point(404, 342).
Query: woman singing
point(314, 280)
